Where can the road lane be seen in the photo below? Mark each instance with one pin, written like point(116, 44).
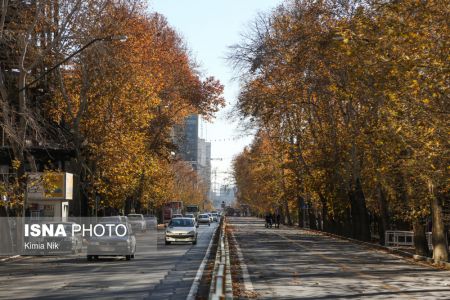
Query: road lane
point(291, 264)
point(152, 272)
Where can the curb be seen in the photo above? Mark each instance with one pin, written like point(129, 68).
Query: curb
point(10, 258)
point(198, 276)
point(416, 258)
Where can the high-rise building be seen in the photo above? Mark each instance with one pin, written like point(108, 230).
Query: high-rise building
point(194, 149)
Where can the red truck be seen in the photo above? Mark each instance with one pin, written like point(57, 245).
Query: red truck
point(170, 209)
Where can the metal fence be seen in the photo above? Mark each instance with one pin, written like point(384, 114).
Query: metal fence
point(395, 238)
point(399, 238)
point(221, 283)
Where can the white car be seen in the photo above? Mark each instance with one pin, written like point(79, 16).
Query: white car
point(114, 219)
point(112, 244)
point(204, 219)
point(181, 230)
point(151, 222)
point(137, 222)
point(192, 216)
point(211, 219)
point(215, 217)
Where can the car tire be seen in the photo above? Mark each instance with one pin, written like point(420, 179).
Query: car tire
point(167, 243)
point(194, 242)
point(209, 224)
point(89, 257)
point(127, 257)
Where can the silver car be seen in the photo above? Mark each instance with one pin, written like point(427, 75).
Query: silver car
point(181, 230)
point(137, 222)
point(215, 217)
point(151, 222)
point(204, 219)
point(71, 243)
point(112, 243)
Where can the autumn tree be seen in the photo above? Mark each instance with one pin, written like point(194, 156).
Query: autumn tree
point(354, 94)
point(113, 105)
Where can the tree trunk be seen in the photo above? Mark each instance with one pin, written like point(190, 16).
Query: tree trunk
point(360, 199)
point(325, 217)
point(383, 222)
point(288, 215)
point(300, 205)
point(312, 219)
point(439, 238)
point(420, 239)
point(355, 216)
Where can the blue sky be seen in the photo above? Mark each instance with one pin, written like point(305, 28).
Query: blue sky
point(209, 27)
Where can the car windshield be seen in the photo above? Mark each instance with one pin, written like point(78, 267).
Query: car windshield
point(181, 223)
point(203, 216)
point(134, 217)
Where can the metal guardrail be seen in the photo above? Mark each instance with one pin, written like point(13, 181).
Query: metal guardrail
point(221, 284)
point(395, 238)
point(399, 238)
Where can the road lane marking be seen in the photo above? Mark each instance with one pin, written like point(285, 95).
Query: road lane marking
point(248, 285)
point(347, 268)
point(201, 269)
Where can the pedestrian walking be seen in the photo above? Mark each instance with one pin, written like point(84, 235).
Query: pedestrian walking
point(268, 220)
point(278, 220)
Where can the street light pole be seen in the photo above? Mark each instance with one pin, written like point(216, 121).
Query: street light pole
point(121, 38)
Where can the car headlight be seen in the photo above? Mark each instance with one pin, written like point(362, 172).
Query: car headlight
point(169, 232)
point(191, 232)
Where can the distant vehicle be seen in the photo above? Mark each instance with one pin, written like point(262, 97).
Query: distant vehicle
point(204, 219)
point(170, 209)
point(215, 217)
point(181, 230)
point(192, 216)
point(211, 219)
point(137, 222)
point(177, 216)
point(151, 222)
point(192, 209)
point(114, 219)
point(72, 243)
point(113, 245)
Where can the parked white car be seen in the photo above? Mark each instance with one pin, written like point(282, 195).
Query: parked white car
point(137, 222)
point(181, 230)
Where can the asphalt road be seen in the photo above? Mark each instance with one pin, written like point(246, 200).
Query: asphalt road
point(157, 272)
point(288, 263)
